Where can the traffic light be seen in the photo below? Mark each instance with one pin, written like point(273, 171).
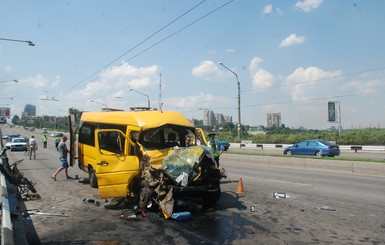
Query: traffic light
point(331, 111)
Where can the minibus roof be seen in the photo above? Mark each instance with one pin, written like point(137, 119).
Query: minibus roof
point(142, 119)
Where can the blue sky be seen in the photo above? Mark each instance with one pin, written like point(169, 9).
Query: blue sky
point(291, 57)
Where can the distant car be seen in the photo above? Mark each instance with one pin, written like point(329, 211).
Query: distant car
point(9, 139)
point(313, 148)
point(57, 134)
point(225, 144)
point(44, 131)
point(19, 144)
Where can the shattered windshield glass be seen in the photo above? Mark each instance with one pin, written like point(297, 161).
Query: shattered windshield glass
point(183, 163)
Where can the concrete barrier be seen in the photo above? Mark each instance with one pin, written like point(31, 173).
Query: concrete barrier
point(311, 164)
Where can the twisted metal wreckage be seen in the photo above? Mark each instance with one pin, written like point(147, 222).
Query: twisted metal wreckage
point(187, 172)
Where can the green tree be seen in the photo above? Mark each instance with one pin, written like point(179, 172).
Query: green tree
point(15, 119)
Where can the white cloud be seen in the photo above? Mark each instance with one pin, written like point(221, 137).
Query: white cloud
point(363, 87)
point(263, 79)
point(194, 101)
point(267, 9)
point(292, 40)
point(230, 50)
point(308, 5)
point(206, 70)
point(39, 81)
point(306, 82)
point(6, 69)
point(56, 81)
point(254, 64)
point(128, 75)
point(279, 11)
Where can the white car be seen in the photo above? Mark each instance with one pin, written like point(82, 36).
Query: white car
point(19, 144)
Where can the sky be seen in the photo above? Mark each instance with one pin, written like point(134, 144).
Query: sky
point(290, 57)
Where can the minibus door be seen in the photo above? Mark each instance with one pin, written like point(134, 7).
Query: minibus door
point(115, 167)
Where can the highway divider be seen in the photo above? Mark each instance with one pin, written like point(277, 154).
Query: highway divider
point(283, 146)
point(329, 165)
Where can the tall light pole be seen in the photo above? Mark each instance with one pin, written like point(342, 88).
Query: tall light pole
point(148, 98)
point(239, 99)
point(30, 43)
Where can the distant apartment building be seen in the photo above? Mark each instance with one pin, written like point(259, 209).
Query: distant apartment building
point(219, 118)
point(213, 119)
point(30, 110)
point(228, 119)
point(273, 120)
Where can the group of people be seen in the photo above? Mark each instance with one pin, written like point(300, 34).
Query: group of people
point(61, 147)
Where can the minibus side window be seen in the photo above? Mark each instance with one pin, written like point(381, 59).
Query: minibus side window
point(111, 141)
point(87, 135)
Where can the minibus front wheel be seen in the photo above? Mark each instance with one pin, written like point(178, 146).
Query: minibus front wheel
point(145, 194)
point(92, 178)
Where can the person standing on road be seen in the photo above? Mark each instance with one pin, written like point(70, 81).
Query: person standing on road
point(45, 141)
point(32, 147)
point(216, 147)
point(57, 141)
point(63, 151)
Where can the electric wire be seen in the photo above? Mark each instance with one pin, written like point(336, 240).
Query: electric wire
point(78, 85)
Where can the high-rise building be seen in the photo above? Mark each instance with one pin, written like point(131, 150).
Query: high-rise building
point(219, 118)
point(214, 119)
point(273, 119)
point(30, 110)
point(228, 119)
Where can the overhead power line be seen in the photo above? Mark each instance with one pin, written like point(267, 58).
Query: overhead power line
point(317, 80)
point(152, 35)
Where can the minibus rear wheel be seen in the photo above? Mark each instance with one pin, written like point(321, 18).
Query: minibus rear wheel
point(92, 178)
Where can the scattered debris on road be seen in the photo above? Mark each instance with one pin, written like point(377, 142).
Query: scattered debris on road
point(279, 195)
point(25, 213)
point(91, 202)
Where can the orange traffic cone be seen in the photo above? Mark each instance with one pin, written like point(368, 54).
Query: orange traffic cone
point(240, 187)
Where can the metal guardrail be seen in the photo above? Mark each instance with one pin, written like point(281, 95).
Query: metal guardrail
point(279, 146)
point(6, 221)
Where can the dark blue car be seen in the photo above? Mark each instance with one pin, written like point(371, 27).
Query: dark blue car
point(313, 148)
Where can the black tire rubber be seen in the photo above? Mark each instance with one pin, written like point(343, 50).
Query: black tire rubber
point(92, 179)
point(145, 195)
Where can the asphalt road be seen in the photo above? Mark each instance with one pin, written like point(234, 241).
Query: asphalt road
point(319, 208)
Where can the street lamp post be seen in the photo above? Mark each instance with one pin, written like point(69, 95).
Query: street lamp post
point(239, 99)
point(148, 98)
point(30, 43)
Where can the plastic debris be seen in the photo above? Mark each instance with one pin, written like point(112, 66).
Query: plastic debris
point(91, 202)
point(252, 209)
point(279, 195)
point(326, 208)
point(181, 216)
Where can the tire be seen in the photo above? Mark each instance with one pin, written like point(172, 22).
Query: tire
point(92, 178)
point(145, 195)
point(289, 153)
point(318, 154)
